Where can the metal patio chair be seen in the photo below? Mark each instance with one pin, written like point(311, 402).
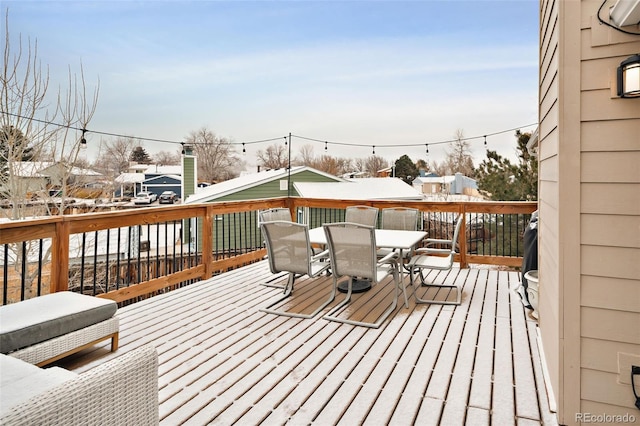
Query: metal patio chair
point(438, 258)
point(364, 215)
point(289, 250)
point(270, 215)
point(352, 249)
point(279, 213)
point(399, 218)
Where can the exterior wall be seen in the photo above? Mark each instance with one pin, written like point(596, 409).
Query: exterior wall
point(589, 198)
point(272, 189)
point(225, 225)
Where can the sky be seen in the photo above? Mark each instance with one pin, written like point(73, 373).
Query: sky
point(392, 74)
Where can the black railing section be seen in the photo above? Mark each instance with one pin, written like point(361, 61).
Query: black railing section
point(112, 259)
point(22, 269)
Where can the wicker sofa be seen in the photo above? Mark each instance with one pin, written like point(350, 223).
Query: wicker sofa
point(122, 391)
point(49, 327)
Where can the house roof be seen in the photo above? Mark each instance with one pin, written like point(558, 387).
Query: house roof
point(156, 169)
point(434, 179)
point(359, 189)
point(39, 169)
point(247, 181)
point(130, 178)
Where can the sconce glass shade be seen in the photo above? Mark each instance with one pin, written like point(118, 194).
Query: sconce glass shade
point(629, 77)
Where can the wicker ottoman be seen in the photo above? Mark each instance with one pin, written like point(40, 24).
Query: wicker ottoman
point(46, 328)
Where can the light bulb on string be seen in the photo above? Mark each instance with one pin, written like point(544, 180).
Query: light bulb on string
point(485, 141)
point(427, 148)
point(285, 141)
point(182, 143)
point(83, 141)
point(374, 150)
point(325, 146)
point(244, 151)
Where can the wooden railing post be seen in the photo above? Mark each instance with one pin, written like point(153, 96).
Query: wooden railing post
point(207, 241)
point(462, 237)
point(60, 258)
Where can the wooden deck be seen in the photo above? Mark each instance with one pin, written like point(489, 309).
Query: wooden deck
point(222, 361)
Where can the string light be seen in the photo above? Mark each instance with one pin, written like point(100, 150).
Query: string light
point(244, 151)
point(84, 131)
point(374, 150)
point(83, 141)
point(427, 148)
point(325, 146)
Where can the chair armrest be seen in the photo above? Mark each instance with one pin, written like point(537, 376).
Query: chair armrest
point(321, 255)
point(123, 390)
point(432, 241)
point(389, 258)
point(428, 250)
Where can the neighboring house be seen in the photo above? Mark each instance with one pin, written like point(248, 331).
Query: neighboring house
point(589, 211)
point(386, 172)
point(38, 176)
point(153, 178)
point(457, 184)
point(359, 189)
point(267, 184)
point(353, 189)
point(160, 183)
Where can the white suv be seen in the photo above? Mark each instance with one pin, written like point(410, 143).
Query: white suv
point(143, 198)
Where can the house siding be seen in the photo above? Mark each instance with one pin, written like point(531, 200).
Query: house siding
point(589, 211)
point(226, 227)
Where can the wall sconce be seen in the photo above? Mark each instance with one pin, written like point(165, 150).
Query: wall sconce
point(629, 77)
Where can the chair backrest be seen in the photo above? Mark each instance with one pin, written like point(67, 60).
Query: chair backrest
point(456, 232)
point(400, 218)
point(288, 247)
point(364, 215)
point(352, 249)
point(275, 214)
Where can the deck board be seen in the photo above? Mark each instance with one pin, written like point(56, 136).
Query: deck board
point(223, 361)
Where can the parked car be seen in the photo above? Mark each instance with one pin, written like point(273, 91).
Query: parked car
point(143, 197)
point(168, 197)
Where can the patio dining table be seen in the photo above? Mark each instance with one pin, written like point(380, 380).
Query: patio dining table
point(385, 238)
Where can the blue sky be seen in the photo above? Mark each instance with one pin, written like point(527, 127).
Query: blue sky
point(356, 72)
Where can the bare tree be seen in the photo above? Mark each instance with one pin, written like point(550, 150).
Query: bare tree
point(374, 164)
point(55, 123)
point(167, 158)
point(275, 156)
point(217, 158)
point(459, 158)
point(306, 156)
point(113, 156)
point(52, 129)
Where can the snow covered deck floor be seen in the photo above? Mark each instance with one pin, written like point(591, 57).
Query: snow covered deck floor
point(222, 361)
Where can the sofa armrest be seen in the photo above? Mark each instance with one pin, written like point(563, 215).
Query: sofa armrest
point(123, 390)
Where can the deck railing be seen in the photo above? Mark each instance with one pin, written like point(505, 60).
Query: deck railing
point(131, 254)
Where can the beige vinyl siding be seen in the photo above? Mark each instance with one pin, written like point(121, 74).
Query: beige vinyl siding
point(610, 218)
point(589, 193)
point(550, 296)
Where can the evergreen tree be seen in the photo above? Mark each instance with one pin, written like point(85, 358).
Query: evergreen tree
point(140, 156)
point(501, 180)
point(406, 169)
